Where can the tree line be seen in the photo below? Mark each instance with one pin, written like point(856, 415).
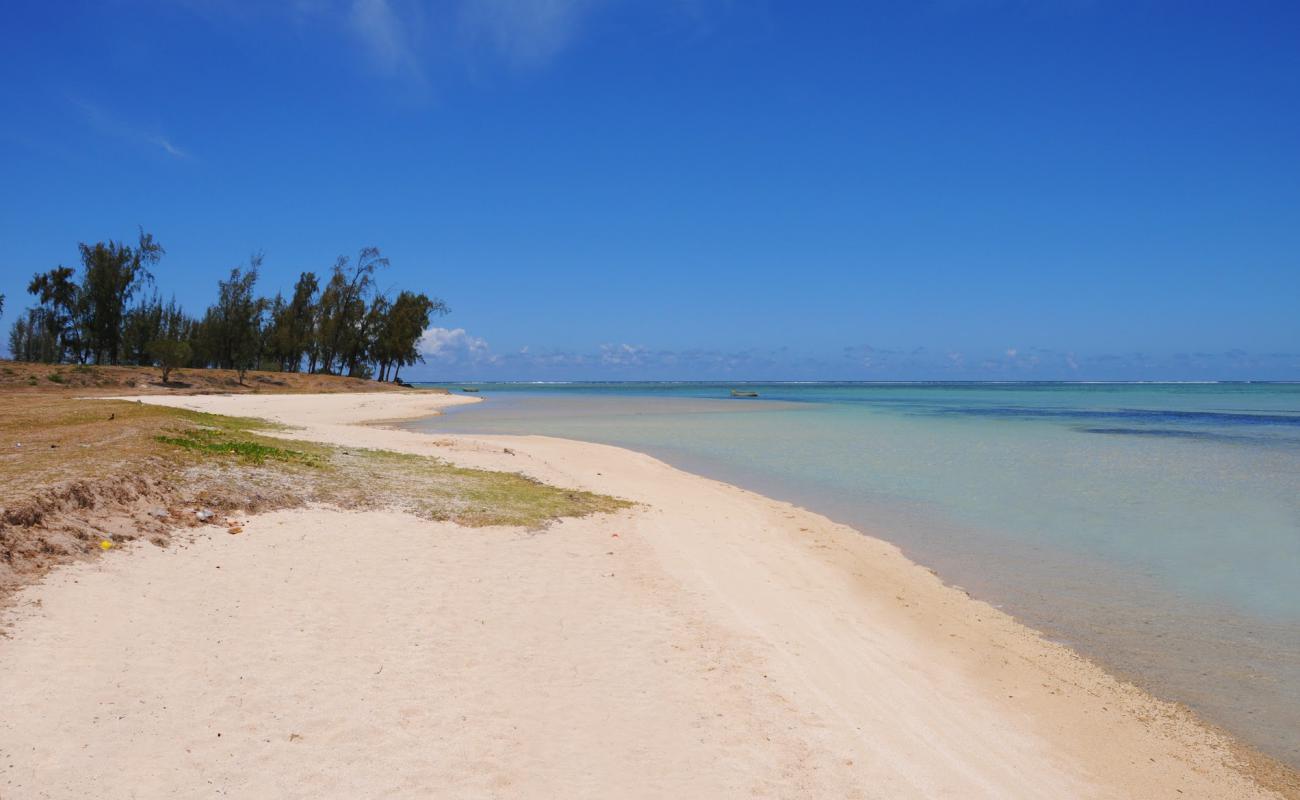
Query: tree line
point(112, 313)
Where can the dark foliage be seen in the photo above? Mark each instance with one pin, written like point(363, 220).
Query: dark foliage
point(345, 327)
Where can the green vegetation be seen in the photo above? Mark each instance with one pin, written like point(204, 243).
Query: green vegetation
point(111, 313)
point(170, 354)
point(208, 441)
point(54, 377)
point(359, 478)
point(195, 459)
point(434, 489)
point(205, 434)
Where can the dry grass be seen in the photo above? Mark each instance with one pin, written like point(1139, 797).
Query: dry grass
point(47, 441)
point(83, 379)
point(433, 489)
point(78, 472)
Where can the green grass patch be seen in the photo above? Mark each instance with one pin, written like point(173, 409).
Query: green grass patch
point(473, 497)
point(215, 442)
point(206, 434)
point(54, 377)
point(225, 441)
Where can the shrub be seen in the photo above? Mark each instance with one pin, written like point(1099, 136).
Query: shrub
point(169, 354)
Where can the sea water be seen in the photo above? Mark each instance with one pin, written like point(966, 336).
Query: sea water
point(1154, 527)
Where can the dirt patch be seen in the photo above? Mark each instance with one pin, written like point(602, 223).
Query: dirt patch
point(79, 477)
point(73, 521)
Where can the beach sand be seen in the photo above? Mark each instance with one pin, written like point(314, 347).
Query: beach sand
point(708, 643)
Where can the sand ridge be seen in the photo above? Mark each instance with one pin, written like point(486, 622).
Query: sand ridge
point(709, 643)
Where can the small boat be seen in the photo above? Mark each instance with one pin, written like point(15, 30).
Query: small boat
point(469, 388)
point(740, 393)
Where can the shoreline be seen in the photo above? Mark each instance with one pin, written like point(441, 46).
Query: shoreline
point(1058, 564)
point(910, 683)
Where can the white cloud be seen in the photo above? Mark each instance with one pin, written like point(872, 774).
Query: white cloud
point(622, 355)
point(384, 35)
point(452, 352)
point(525, 32)
point(108, 124)
point(408, 39)
point(454, 346)
point(169, 148)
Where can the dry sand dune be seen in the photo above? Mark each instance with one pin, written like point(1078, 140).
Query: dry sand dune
point(708, 643)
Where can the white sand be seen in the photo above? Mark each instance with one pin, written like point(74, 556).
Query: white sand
point(710, 643)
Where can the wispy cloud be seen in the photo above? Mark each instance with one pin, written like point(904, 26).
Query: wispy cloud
point(169, 148)
point(525, 32)
point(408, 39)
point(108, 124)
point(385, 35)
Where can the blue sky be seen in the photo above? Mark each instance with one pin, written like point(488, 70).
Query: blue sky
point(696, 189)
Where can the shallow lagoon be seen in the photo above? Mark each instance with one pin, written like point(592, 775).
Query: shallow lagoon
point(1155, 527)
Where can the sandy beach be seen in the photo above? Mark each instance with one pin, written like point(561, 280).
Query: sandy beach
point(709, 642)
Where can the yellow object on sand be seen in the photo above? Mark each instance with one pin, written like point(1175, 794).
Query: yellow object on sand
point(105, 544)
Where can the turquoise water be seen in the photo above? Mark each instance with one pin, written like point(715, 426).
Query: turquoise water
point(1156, 527)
